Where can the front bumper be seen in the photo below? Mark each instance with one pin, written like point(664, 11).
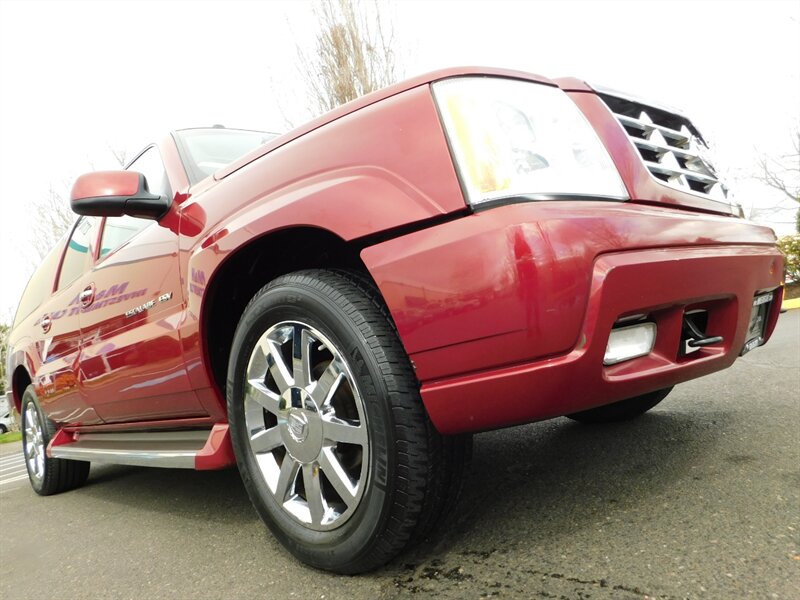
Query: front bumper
point(506, 314)
point(722, 281)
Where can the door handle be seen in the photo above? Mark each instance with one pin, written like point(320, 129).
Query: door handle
point(87, 295)
point(46, 322)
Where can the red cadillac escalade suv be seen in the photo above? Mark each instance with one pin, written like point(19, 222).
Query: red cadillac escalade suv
point(337, 309)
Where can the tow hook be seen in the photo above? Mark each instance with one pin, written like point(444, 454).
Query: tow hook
point(696, 338)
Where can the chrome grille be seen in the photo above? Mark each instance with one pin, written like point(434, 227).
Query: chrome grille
point(671, 147)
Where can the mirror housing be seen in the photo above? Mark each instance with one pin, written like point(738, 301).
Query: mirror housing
point(116, 193)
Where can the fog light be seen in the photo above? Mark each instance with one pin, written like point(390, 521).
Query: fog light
point(630, 342)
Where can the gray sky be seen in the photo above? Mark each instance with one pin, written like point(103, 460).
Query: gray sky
point(76, 77)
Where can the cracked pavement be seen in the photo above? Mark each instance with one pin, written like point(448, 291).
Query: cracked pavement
point(698, 499)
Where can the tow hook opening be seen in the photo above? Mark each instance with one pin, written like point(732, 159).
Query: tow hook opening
point(693, 332)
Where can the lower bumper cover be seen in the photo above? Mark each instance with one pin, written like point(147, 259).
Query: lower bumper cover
point(664, 283)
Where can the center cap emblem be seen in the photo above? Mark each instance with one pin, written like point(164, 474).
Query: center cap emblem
point(298, 426)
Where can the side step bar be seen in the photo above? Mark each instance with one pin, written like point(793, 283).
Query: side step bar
point(193, 449)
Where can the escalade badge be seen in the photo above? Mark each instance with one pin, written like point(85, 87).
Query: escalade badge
point(298, 424)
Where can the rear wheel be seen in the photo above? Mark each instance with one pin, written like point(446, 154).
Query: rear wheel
point(47, 475)
point(333, 443)
point(623, 410)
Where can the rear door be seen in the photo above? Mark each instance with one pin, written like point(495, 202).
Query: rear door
point(56, 380)
point(132, 367)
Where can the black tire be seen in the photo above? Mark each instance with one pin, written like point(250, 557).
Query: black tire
point(453, 456)
point(3, 429)
point(623, 410)
point(406, 488)
point(59, 474)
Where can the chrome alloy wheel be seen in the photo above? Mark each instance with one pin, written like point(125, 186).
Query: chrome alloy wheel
point(34, 443)
point(306, 424)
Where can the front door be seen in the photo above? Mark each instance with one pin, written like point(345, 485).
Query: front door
point(132, 366)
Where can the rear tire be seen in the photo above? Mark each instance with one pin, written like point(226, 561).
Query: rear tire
point(47, 475)
point(333, 443)
point(623, 410)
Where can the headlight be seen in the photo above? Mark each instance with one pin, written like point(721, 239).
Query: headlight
point(514, 139)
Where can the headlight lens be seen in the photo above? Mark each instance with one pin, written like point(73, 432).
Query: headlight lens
point(512, 138)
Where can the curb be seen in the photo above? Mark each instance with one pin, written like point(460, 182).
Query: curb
point(790, 304)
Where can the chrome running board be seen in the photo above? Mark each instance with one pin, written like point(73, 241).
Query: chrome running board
point(170, 449)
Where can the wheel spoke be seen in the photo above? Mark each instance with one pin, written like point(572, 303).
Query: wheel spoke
point(313, 492)
point(301, 356)
point(266, 440)
point(337, 430)
point(287, 478)
point(337, 476)
point(30, 449)
point(327, 384)
point(257, 367)
point(277, 367)
point(261, 395)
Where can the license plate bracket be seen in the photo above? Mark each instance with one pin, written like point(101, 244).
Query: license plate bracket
point(758, 322)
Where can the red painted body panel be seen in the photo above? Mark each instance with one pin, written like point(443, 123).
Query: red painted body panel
point(512, 283)
point(159, 425)
point(662, 282)
point(56, 350)
point(105, 183)
point(132, 366)
point(512, 302)
point(218, 451)
point(370, 99)
point(394, 169)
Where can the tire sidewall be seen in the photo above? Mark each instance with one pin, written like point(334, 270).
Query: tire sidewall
point(29, 397)
point(292, 302)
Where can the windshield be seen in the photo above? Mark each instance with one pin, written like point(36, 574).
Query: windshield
point(205, 151)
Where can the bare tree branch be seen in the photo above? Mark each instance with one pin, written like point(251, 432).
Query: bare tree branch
point(353, 54)
point(119, 155)
point(51, 218)
point(783, 173)
point(52, 215)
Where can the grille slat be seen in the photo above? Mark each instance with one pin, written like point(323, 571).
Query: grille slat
point(671, 147)
point(648, 128)
point(685, 155)
point(669, 170)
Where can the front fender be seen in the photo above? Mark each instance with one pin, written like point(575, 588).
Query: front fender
point(382, 167)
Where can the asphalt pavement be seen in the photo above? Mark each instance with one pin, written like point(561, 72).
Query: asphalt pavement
point(700, 498)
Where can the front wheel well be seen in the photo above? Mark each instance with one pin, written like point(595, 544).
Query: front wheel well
point(255, 265)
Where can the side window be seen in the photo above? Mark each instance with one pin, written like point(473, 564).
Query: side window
point(40, 285)
point(119, 230)
point(79, 255)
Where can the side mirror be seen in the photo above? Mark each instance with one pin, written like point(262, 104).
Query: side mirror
point(116, 193)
